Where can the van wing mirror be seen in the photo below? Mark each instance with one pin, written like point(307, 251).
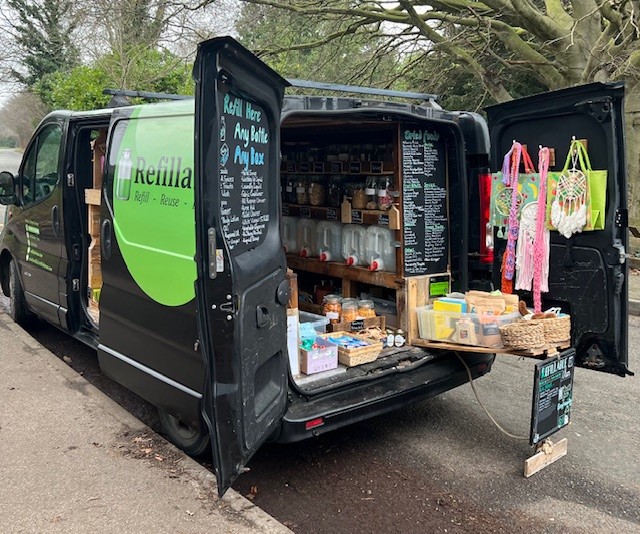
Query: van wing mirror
point(7, 188)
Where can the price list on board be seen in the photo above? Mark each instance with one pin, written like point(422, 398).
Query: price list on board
point(244, 154)
point(424, 202)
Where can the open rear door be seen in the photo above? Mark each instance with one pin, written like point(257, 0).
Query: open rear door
point(588, 271)
point(241, 289)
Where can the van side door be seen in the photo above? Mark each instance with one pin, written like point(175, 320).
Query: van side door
point(241, 290)
point(587, 271)
point(38, 221)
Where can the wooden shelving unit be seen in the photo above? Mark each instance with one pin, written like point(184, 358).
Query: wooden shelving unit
point(346, 272)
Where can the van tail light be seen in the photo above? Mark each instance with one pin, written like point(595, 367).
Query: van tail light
point(486, 230)
point(314, 423)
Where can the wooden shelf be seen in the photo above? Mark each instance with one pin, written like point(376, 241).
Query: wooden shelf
point(344, 271)
point(539, 353)
point(353, 168)
point(311, 212)
point(389, 218)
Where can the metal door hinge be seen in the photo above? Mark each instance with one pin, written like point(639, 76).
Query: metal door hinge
point(71, 179)
point(75, 284)
point(76, 252)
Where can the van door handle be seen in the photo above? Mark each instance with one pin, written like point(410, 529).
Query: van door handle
point(262, 316)
point(55, 220)
point(105, 239)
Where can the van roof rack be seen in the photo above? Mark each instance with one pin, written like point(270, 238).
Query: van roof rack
point(307, 84)
point(143, 94)
point(118, 94)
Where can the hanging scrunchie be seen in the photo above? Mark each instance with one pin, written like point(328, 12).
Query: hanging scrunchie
point(541, 242)
point(509, 258)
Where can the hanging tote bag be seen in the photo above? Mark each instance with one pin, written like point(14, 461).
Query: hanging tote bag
point(501, 194)
point(576, 196)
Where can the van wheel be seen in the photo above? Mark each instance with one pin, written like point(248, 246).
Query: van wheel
point(17, 305)
point(193, 442)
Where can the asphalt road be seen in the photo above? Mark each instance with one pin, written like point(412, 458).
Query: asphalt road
point(441, 465)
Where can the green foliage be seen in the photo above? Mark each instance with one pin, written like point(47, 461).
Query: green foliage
point(43, 34)
point(320, 48)
point(147, 70)
point(79, 89)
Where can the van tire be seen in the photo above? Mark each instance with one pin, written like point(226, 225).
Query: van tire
point(17, 304)
point(193, 442)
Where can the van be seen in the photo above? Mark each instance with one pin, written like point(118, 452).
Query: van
point(152, 233)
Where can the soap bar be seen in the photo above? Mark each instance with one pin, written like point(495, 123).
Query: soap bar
point(449, 304)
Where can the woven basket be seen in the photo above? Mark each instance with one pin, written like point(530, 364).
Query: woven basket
point(556, 329)
point(523, 335)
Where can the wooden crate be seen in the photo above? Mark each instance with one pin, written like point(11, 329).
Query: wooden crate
point(359, 356)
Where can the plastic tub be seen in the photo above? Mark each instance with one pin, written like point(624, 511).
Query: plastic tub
point(463, 328)
point(319, 322)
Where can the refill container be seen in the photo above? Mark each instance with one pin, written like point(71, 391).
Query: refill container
point(306, 236)
point(289, 240)
point(123, 178)
point(354, 249)
point(329, 240)
point(381, 250)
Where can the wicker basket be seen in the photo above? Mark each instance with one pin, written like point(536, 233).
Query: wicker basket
point(353, 357)
point(523, 335)
point(556, 329)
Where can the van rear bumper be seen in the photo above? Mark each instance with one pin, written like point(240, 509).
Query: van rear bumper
point(376, 397)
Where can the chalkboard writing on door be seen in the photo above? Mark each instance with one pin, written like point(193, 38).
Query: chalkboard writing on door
point(552, 395)
point(244, 161)
point(424, 201)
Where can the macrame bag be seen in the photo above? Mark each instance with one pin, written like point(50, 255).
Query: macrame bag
point(577, 195)
point(501, 193)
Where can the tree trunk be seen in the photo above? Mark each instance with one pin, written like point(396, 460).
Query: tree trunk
point(632, 137)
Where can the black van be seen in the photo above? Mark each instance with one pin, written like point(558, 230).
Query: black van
point(100, 242)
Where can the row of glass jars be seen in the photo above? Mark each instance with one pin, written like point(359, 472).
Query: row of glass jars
point(338, 309)
point(376, 192)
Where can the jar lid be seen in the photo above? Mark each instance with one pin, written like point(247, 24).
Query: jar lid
point(367, 304)
point(332, 298)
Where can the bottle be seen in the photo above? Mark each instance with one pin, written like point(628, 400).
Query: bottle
point(385, 194)
point(371, 193)
point(123, 180)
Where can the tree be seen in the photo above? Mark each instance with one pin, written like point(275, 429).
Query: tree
point(324, 49)
point(81, 88)
point(42, 31)
point(21, 114)
point(556, 43)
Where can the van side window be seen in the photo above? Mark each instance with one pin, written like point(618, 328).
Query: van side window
point(40, 173)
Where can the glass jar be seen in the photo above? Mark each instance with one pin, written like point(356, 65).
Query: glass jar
point(332, 308)
point(302, 194)
point(334, 192)
point(349, 310)
point(385, 194)
point(290, 189)
point(317, 191)
point(366, 308)
point(358, 197)
point(371, 192)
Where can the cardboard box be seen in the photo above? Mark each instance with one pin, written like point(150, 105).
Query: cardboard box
point(321, 359)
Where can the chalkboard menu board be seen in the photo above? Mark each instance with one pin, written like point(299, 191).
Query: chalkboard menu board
point(244, 160)
point(552, 395)
point(424, 201)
